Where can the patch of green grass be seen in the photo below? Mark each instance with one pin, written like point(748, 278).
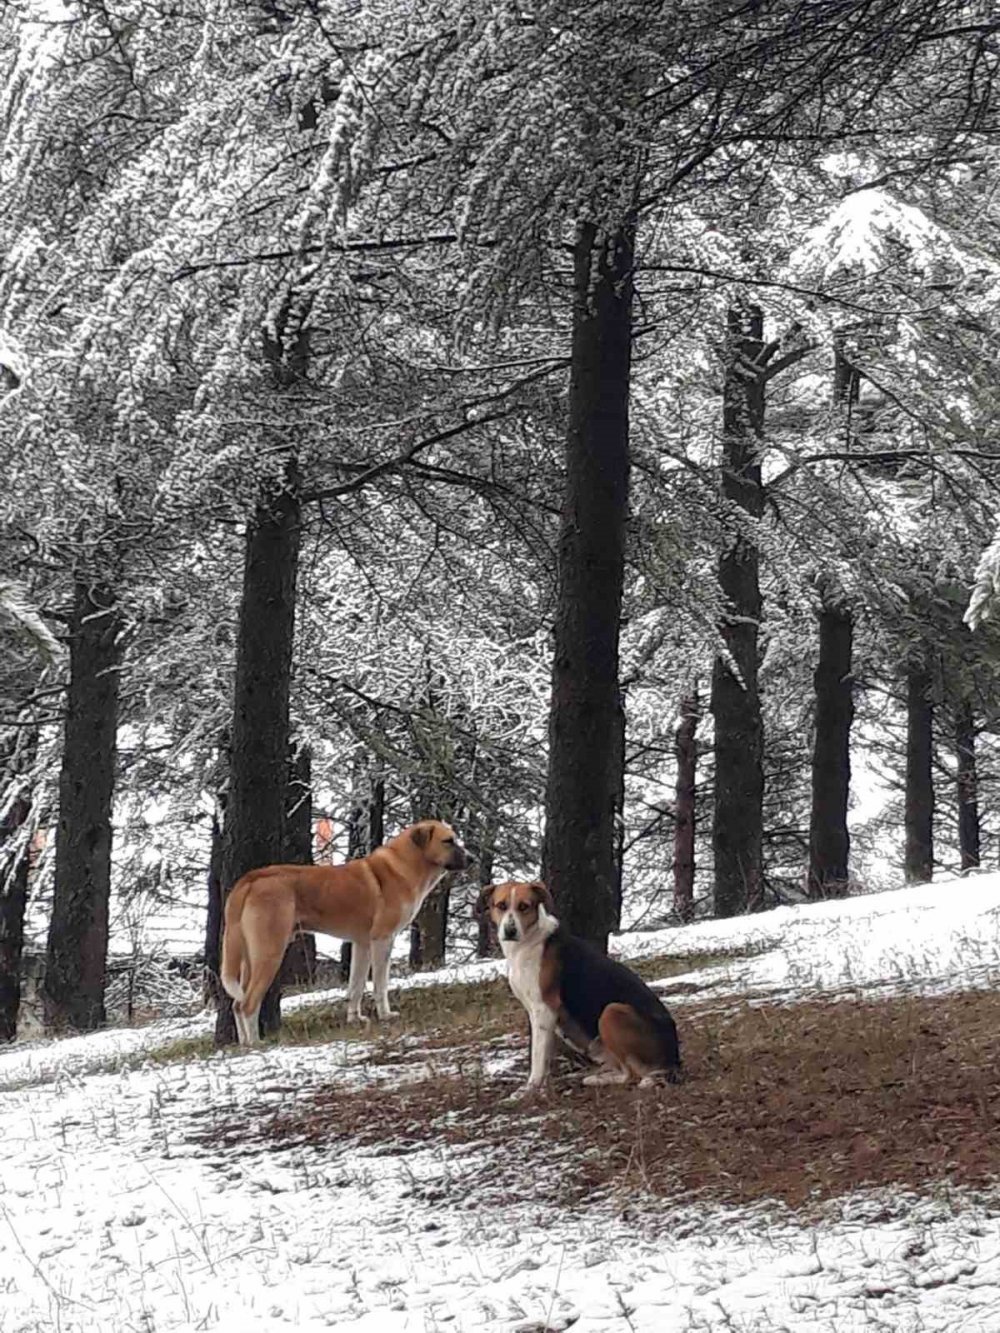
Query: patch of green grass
point(482, 1006)
point(184, 1048)
point(663, 965)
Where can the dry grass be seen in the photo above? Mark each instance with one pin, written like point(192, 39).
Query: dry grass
point(799, 1103)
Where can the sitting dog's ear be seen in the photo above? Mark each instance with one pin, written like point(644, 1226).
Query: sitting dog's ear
point(421, 835)
point(483, 901)
point(544, 897)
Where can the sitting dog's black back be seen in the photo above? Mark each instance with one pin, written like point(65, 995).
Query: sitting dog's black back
point(589, 981)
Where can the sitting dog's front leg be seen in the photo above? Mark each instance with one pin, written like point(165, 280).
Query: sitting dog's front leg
point(543, 1036)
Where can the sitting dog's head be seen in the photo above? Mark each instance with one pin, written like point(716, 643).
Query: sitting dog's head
point(516, 908)
point(440, 844)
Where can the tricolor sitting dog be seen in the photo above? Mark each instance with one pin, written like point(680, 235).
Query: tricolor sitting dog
point(568, 987)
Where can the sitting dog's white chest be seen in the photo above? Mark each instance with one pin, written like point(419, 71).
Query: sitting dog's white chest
point(524, 969)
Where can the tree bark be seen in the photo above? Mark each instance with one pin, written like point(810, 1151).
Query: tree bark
point(829, 839)
point(737, 824)
point(76, 957)
point(299, 967)
point(13, 904)
point(967, 783)
point(254, 833)
point(486, 942)
point(919, 798)
point(213, 992)
point(618, 831)
point(365, 832)
point(429, 932)
point(433, 799)
point(685, 813)
point(585, 756)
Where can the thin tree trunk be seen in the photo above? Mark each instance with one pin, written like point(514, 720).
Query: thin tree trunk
point(618, 839)
point(846, 387)
point(737, 824)
point(258, 784)
point(919, 800)
point(213, 992)
point(76, 958)
point(429, 932)
point(968, 786)
point(299, 967)
point(685, 813)
point(486, 943)
point(13, 904)
point(433, 799)
point(365, 832)
point(829, 839)
point(585, 756)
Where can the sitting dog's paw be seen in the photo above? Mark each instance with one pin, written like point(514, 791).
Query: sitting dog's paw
point(389, 1013)
point(362, 1019)
point(600, 1080)
point(528, 1092)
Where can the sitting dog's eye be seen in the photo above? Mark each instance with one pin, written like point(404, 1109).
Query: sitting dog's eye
point(522, 907)
point(448, 842)
point(501, 907)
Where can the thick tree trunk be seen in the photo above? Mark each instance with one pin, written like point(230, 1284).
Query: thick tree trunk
point(919, 799)
point(829, 840)
point(686, 754)
point(968, 786)
point(299, 967)
point(737, 824)
point(76, 958)
point(258, 777)
point(13, 904)
point(585, 756)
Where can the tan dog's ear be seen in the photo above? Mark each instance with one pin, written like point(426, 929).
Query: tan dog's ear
point(484, 901)
point(544, 897)
point(421, 835)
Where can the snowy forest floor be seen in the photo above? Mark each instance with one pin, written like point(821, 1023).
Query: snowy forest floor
point(830, 1163)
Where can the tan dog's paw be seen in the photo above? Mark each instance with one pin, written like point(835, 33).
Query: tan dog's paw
point(389, 1013)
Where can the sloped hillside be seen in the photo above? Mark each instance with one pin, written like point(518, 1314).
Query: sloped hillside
point(830, 1162)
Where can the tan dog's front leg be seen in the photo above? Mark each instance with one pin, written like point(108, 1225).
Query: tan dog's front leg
point(360, 958)
point(381, 954)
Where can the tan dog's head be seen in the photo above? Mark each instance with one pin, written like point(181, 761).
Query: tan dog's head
point(516, 908)
point(439, 844)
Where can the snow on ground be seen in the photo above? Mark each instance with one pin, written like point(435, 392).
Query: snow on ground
point(930, 938)
point(119, 1210)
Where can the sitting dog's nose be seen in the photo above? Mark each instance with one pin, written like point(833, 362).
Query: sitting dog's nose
point(510, 931)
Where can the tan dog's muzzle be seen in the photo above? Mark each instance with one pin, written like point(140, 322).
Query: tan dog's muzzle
point(460, 858)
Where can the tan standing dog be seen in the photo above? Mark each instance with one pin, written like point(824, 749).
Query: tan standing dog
point(367, 901)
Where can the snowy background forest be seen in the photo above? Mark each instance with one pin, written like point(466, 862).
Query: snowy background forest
point(315, 275)
point(576, 422)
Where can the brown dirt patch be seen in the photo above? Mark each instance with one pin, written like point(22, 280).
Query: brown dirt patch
point(799, 1103)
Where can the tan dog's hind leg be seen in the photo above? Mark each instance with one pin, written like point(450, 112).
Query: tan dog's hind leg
point(267, 924)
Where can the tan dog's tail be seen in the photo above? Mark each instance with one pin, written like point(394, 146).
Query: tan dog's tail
point(233, 951)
